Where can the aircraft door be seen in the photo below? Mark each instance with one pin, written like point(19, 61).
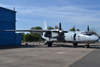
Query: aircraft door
point(74, 37)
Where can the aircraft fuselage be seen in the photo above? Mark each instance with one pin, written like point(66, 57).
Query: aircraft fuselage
point(78, 37)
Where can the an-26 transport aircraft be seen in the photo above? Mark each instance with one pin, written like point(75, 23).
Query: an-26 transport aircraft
point(58, 35)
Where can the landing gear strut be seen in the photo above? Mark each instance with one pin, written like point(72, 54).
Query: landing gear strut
point(75, 44)
point(49, 43)
point(87, 46)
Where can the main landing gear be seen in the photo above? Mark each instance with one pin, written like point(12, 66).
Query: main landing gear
point(49, 44)
point(75, 44)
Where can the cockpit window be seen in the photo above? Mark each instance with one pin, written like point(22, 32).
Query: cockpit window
point(86, 33)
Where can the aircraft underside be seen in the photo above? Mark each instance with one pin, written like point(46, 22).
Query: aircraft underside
point(75, 44)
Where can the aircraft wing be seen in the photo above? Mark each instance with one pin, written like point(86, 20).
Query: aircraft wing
point(34, 30)
point(37, 33)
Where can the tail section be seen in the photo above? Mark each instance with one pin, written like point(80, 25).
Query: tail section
point(44, 26)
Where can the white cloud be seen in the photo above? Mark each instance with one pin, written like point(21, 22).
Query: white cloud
point(69, 14)
point(63, 13)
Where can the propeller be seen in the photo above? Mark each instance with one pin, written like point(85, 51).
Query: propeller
point(88, 28)
point(60, 26)
point(61, 32)
point(60, 29)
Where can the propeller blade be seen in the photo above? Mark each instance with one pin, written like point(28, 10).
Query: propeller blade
point(88, 28)
point(60, 26)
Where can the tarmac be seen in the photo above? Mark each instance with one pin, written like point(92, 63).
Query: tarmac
point(60, 55)
point(90, 60)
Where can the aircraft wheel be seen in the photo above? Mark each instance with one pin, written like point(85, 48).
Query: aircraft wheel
point(87, 46)
point(75, 44)
point(49, 44)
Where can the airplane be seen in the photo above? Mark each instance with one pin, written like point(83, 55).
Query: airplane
point(58, 35)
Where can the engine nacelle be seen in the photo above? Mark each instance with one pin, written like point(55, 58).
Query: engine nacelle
point(61, 37)
point(54, 35)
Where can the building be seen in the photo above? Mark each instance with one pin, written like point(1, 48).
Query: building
point(8, 22)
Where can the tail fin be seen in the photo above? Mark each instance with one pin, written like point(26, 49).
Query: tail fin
point(44, 26)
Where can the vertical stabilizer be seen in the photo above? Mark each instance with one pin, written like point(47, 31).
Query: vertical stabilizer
point(44, 26)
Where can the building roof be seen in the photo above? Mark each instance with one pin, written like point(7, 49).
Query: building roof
point(8, 9)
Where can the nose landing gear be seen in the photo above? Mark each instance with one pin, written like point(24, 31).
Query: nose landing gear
point(87, 45)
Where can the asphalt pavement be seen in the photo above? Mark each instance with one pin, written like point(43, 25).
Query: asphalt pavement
point(42, 56)
point(90, 60)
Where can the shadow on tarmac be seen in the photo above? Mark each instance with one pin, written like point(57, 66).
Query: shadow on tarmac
point(45, 46)
point(79, 46)
point(19, 46)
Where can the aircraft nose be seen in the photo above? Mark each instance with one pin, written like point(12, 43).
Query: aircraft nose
point(95, 38)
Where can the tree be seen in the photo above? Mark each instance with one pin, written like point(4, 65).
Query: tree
point(38, 27)
point(93, 31)
point(37, 37)
point(72, 29)
point(32, 28)
point(78, 30)
point(50, 28)
point(22, 35)
point(28, 38)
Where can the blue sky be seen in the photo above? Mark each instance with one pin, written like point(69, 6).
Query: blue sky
point(78, 13)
